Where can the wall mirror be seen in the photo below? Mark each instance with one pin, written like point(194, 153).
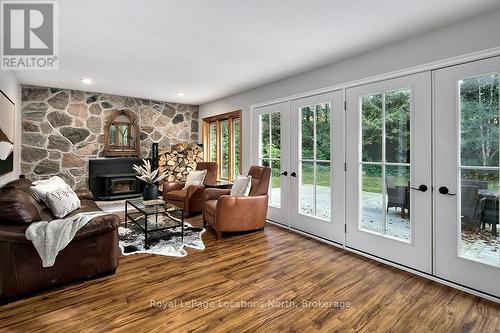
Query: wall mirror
point(121, 135)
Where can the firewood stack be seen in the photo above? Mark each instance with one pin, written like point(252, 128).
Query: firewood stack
point(178, 160)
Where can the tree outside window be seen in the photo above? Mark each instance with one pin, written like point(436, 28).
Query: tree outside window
point(222, 143)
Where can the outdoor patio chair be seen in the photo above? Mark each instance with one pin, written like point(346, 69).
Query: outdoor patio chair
point(481, 184)
point(396, 195)
point(490, 214)
point(471, 204)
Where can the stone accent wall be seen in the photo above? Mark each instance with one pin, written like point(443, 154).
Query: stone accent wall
point(62, 129)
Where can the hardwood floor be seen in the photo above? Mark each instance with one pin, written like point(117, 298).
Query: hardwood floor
point(257, 268)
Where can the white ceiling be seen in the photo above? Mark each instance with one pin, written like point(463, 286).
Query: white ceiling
point(214, 48)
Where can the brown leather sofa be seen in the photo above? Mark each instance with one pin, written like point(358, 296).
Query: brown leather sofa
point(191, 199)
point(225, 213)
point(93, 252)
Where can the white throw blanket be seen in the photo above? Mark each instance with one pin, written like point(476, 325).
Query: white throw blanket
point(50, 238)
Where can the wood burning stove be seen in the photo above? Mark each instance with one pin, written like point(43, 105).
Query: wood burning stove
point(122, 185)
point(118, 185)
point(114, 178)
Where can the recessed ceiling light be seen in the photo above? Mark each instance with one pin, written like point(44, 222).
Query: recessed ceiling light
point(180, 94)
point(86, 80)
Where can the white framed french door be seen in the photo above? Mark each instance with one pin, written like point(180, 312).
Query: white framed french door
point(271, 148)
point(466, 175)
point(388, 177)
point(317, 165)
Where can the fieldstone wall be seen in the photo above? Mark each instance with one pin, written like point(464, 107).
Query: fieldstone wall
point(62, 129)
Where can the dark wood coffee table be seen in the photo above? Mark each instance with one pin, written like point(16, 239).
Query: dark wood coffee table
point(146, 218)
point(220, 184)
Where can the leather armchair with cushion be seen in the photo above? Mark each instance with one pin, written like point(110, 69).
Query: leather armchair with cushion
point(225, 213)
point(190, 200)
point(93, 252)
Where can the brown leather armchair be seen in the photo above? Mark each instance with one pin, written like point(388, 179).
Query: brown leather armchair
point(191, 199)
point(226, 213)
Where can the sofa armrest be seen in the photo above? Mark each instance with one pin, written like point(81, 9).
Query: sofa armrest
point(214, 193)
point(84, 195)
point(172, 186)
point(99, 225)
point(8, 236)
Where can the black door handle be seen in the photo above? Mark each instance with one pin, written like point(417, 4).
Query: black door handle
point(293, 174)
point(444, 190)
point(421, 188)
point(284, 173)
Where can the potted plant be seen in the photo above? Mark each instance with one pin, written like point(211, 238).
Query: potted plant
point(150, 177)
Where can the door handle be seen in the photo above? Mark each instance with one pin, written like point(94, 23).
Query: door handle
point(293, 174)
point(421, 188)
point(444, 190)
point(284, 173)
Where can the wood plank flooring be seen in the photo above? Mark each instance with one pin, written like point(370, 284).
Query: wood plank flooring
point(274, 267)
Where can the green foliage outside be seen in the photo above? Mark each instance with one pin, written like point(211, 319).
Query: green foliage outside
point(270, 135)
point(224, 171)
point(397, 126)
point(213, 142)
point(237, 139)
point(225, 146)
point(479, 128)
point(479, 121)
point(322, 115)
point(322, 176)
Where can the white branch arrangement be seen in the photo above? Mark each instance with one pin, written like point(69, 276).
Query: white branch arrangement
point(145, 174)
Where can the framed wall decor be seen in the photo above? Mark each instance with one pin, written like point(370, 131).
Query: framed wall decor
point(7, 120)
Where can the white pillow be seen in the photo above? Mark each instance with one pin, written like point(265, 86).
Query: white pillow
point(42, 187)
point(241, 186)
point(62, 202)
point(195, 177)
point(5, 149)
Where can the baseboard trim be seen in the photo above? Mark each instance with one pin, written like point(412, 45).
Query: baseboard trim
point(392, 264)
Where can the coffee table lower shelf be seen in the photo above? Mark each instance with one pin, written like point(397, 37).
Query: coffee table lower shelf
point(146, 218)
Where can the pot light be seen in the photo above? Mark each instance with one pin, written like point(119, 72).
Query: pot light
point(86, 80)
point(181, 94)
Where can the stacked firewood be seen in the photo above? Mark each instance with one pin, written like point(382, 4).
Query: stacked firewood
point(179, 159)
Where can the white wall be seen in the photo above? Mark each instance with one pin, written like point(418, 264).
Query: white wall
point(11, 87)
point(475, 34)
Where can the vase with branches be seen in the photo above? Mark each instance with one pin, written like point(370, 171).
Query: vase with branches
point(150, 177)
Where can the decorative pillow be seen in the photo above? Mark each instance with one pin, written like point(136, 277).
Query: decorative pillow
point(42, 187)
point(241, 186)
point(62, 202)
point(195, 177)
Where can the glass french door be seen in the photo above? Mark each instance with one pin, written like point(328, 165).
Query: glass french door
point(388, 175)
point(317, 165)
point(271, 148)
point(466, 174)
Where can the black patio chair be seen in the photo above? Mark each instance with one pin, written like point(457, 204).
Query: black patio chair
point(481, 184)
point(471, 204)
point(490, 214)
point(396, 195)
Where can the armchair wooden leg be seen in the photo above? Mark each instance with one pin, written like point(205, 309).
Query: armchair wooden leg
point(219, 235)
point(204, 223)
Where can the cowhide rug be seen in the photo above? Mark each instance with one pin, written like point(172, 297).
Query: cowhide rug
point(166, 243)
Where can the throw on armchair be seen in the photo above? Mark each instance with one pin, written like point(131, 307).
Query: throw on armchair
point(226, 213)
point(190, 200)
